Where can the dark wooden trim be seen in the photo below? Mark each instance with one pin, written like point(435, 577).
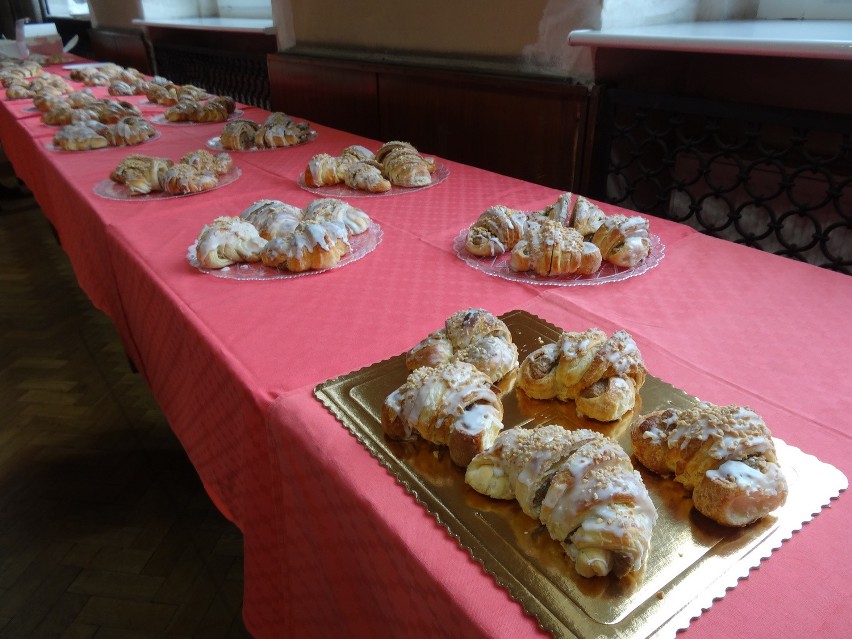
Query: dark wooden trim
point(793, 83)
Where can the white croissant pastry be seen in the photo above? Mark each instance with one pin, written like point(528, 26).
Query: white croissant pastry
point(228, 240)
point(601, 374)
point(723, 454)
point(497, 230)
point(623, 240)
point(552, 249)
point(355, 220)
point(313, 245)
point(272, 218)
point(474, 336)
point(586, 217)
point(453, 405)
point(581, 486)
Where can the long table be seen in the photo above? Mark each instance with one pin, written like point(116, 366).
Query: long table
point(333, 544)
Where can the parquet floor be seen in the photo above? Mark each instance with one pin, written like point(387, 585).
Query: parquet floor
point(105, 530)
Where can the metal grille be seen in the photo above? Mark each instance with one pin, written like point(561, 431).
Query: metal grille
point(773, 179)
point(242, 76)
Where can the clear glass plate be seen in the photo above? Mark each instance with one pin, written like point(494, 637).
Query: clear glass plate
point(362, 244)
point(110, 190)
point(216, 144)
point(498, 266)
point(50, 146)
point(441, 173)
point(160, 118)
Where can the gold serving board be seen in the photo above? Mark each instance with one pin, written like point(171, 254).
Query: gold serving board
point(693, 560)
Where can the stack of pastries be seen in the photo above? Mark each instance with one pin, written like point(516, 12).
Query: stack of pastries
point(578, 483)
point(393, 164)
point(217, 109)
point(45, 84)
point(451, 396)
point(16, 72)
point(161, 91)
point(194, 172)
point(278, 130)
point(83, 107)
point(561, 239)
point(103, 74)
point(92, 134)
point(282, 236)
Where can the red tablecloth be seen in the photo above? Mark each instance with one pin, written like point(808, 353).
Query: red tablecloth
point(333, 544)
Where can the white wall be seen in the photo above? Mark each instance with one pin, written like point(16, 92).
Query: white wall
point(531, 33)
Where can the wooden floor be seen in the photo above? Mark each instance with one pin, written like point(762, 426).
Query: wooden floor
point(105, 530)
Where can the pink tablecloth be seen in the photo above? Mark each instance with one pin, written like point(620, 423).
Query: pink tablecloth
point(332, 544)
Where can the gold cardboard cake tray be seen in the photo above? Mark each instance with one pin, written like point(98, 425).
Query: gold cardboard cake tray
point(693, 560)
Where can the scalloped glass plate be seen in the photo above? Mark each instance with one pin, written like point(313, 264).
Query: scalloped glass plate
point(110, 190)
point(147, 102)
point(498, 266)
point(442, 172)
point(362, 244)
point(50, 146)
point(84, 65)
point(160, 118)
point(215, 143)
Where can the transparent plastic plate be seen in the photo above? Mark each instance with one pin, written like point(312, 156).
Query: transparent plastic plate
point(110, 190)
point(50, 146)
point(362, 244)
point(160, 118)
point(216, 144)
point(441, 173)
point(498, 266)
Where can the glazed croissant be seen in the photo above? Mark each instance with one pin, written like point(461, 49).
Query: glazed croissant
point(474, 336)
point(403, 165)
point(130, 130)
point(559, 211)
point(313, 245)
point(182, 179)
point(141, 174)
point(723, 454)
point(238, 135)
point(354, 219)
point(453, 405)
point(365, 175)
point(82, 136)
point(272, 218)
point(497, 230)
point(623, 240)
point(355, 166)
point(205, 161)
point(228, 240)
point(551, 249)
point(280, 130)
point(188, 109)
point(601, 374)
point(19, 91)
point(581, 486)
point(586, 217)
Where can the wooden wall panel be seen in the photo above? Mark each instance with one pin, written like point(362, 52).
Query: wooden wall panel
point(523, 129)
point(127, 48)
point(531, 128)
point(340, 96)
